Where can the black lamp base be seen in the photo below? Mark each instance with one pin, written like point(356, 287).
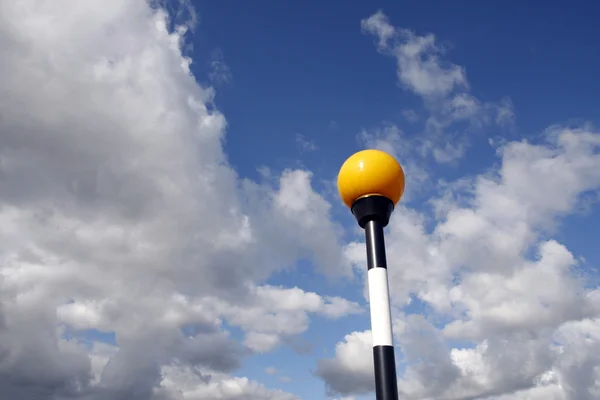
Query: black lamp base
point(372, 208)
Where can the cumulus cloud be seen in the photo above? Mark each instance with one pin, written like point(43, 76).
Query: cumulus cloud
point(351, 370)
point(181, 383)
point(275, 314)
point(510, 310)
point(119, 214)
point(129, 243)
point(195, 384)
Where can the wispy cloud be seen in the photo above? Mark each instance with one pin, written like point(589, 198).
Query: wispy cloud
point(304, 144)
point(442, 86)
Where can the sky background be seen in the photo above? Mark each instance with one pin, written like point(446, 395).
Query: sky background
point(171, 228)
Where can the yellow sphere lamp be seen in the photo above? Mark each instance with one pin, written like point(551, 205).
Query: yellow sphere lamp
point(369, 181)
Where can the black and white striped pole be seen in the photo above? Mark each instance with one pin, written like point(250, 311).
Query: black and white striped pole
point(371, 183)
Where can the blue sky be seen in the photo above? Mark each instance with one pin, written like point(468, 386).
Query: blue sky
point(179, 245)
point(305, 68)
point(309, 64)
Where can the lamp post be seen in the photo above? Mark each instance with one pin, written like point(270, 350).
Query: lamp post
point(371, 183)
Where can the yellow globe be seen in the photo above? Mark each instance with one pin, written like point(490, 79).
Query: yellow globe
point(368, 173)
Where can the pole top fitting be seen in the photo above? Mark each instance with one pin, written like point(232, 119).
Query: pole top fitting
point(372, 208)
point(370, 173)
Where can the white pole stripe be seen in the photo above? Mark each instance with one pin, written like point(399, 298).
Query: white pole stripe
point(379, 299)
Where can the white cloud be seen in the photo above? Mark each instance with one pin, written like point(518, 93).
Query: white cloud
point(180, 383)
point(492, 276)
point(271, 314)
point(419, 67)
point(119, 212)
point(443, 87)
point(351, 370)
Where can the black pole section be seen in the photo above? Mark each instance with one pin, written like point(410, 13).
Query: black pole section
point(373, 214)
point(375, 245)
